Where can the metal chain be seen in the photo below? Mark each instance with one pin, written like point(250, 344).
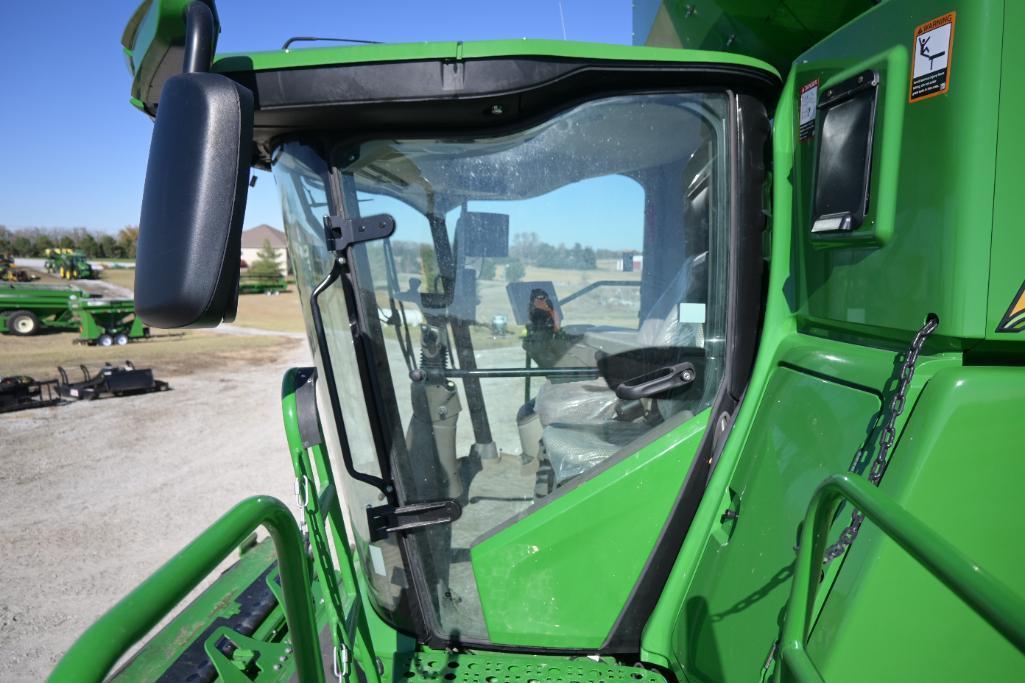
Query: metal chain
point(886, 438)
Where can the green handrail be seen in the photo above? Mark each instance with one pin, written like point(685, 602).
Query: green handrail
point(990, 598)
point(93, 655)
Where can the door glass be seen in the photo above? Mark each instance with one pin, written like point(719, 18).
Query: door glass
point(301, 175)
point(549, 297)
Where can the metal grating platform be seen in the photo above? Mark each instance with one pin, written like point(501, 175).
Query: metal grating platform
point(494, 667)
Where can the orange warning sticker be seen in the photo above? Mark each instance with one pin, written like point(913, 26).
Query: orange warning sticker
point(931, 58)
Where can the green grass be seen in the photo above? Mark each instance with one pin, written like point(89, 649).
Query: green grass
point(122, 277)
point(278, 312)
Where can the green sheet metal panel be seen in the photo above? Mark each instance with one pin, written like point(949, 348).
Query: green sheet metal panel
point(957, 468)
point(930, 202)
point(560, 576)
point(807, 428)
point(775, 31)
point(1007, 278)
point(481, 49)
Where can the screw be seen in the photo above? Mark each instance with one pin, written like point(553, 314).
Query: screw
point(497, 109)
point(687, 375)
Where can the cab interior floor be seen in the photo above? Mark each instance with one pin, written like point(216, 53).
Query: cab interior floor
point(501, 490)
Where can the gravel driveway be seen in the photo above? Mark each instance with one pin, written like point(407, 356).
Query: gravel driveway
point(95, 496)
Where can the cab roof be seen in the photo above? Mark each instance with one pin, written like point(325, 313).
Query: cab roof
point(440, 85)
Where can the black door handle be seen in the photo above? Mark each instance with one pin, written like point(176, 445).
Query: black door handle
point(656, 382)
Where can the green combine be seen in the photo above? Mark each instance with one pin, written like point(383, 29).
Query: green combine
point(778, 445)
point(69, 264)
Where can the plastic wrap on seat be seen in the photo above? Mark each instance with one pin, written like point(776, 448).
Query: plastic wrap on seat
point(574, 449)
point(586, 402)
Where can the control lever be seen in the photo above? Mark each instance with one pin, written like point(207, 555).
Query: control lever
point(657, 382)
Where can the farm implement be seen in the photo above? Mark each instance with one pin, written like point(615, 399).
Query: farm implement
point(20, 393)
point(106, 322)
point(116, 380)
point(29, 309)
point(8, 273)
point(783, 445)
point(68, 264)
point(254, 284)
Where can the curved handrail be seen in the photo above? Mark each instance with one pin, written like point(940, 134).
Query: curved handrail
point(1001, 607)
point(97, 650)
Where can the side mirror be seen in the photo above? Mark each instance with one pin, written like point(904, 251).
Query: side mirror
point(187, 266)
point(483, 234)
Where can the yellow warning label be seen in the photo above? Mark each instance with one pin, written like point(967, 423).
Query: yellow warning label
point(931, 60)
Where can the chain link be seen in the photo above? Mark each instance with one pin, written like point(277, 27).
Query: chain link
point(886, 438)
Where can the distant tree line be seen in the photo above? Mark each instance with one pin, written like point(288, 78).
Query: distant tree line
point(526, 249)
point(33, 242)
point(530, 249)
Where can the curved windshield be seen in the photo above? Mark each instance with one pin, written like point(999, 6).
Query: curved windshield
point(550, 299)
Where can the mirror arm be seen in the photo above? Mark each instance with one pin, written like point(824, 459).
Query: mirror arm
point(199, 38)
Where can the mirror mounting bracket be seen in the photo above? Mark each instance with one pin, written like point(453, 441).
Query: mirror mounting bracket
point(340, 233)
point(388, 519)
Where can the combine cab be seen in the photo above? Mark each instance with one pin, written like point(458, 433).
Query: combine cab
point(781, 445)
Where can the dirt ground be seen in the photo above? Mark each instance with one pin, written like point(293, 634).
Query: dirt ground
point(95, 496)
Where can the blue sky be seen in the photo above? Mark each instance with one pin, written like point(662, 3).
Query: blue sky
point(75, 150)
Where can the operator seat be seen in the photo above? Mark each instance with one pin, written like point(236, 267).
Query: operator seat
point(583, 423)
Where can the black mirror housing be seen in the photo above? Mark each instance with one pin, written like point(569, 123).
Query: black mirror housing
point(194, 201)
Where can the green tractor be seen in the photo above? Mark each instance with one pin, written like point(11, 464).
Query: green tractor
point(779, 446)
point(68, 264)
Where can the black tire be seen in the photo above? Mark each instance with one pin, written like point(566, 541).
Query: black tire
point(23, 323)
point(105, 340)
point(120, 338)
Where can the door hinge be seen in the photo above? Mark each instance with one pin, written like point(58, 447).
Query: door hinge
point(340, 233)
point(385, 519)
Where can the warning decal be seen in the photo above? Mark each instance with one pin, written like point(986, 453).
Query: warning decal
point(930, 69)
point(1014, 318)
point(809, 102)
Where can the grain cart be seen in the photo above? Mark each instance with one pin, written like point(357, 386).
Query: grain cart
point(784, 447)
point(28, 309)
point(68, 264)
point(105, 322)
